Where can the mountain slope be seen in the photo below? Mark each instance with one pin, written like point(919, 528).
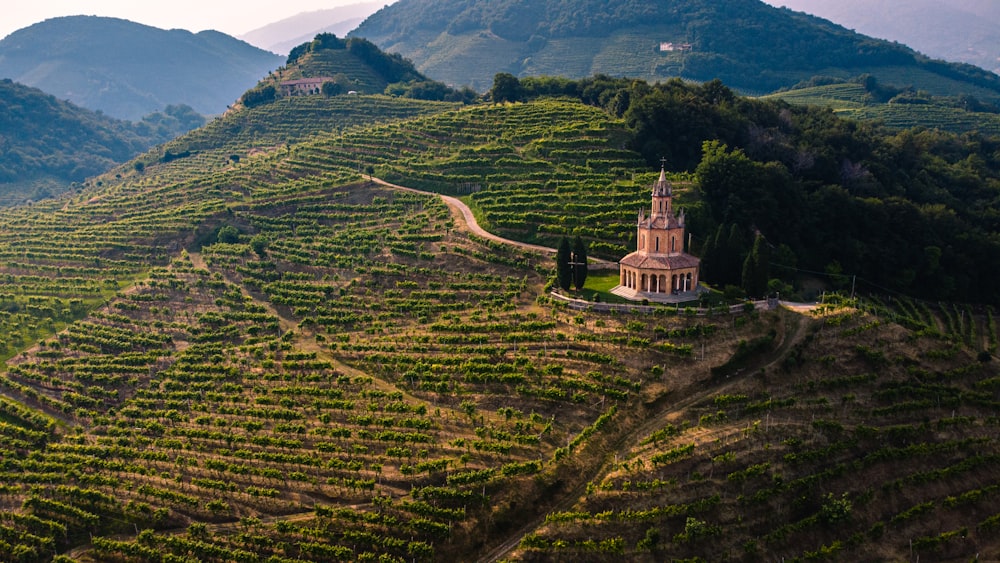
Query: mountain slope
point(267, 358)
point(749, 45)
point(962, 30)
point(45, 143)
point(282, 36)
point(129, 70)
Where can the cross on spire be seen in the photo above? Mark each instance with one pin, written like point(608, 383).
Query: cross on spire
point(663, 162)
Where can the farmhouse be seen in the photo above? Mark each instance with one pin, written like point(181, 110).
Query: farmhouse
point(659, 269)
point(304, 86)
point(668, 47)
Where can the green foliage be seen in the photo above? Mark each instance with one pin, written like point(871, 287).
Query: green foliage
point(259, 245)
point(332, 88)
point(756, 268)
point(228, 234)
point(470, 41)
point(506, 88)
point(835, 510)
point(50, 143)
point(261, 95)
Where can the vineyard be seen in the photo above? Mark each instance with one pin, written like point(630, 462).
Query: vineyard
point(244, 351)
point(851, 101)
point(866, 441)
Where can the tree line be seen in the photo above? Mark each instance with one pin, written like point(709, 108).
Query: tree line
point(908, 211)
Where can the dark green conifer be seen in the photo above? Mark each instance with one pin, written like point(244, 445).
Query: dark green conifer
point(756, 268)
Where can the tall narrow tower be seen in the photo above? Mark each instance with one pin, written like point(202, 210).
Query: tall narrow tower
point(662, 232)
point(659, 269)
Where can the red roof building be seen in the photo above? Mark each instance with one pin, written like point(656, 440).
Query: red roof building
point(659, 269)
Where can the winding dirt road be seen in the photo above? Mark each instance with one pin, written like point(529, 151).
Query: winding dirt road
point(461, 211)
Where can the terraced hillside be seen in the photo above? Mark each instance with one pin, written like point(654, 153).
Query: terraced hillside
point(861, 440)
point(534, 172)
point(852, 101)
point(332, 62)
point(268, 358)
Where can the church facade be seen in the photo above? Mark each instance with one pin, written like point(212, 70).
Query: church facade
point(660, 269)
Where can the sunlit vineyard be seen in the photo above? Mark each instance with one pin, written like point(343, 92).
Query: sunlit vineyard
point(864, 442)
point(853, 102)
point(270, 358)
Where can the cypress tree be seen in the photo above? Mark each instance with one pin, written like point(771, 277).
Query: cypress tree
point(709, 257)
point(755, 268)
point(579, 263)
point(564, 270)
point(733, 252)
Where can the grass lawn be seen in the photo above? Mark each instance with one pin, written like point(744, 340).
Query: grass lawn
point(601, 284)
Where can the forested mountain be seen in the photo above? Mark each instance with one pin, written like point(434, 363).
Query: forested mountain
point(45, 143)
point(749, 45)
point(128, 70)
point(955, 30)
point(281, 36)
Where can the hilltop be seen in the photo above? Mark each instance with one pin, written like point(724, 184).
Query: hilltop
point(48, 144)
point(747, 44)
point(244, 350)
point(348, 66)
point(128, 70)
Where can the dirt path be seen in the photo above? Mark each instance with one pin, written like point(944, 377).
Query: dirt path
point(629, 438)
point(461, 211)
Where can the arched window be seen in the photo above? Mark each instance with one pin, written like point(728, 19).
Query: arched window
point(657, 244)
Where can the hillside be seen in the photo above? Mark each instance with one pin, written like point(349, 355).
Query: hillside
point(281, 36)
point(751, 46)
point(247, 352)
point(962, 30)
point(128, 70)
point(48, 144)
point(897, 109)
point(349, 66)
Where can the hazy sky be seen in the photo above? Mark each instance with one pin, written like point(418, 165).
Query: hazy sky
point(232, 17)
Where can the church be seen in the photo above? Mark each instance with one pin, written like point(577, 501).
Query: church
point(659, 270)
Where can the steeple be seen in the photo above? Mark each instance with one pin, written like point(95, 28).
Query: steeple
point(663, 193)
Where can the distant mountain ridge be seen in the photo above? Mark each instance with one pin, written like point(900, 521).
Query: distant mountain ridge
point(749, 45)
point(46, 143)
point(128, 70)
point(963, 30)
point(281, 36)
